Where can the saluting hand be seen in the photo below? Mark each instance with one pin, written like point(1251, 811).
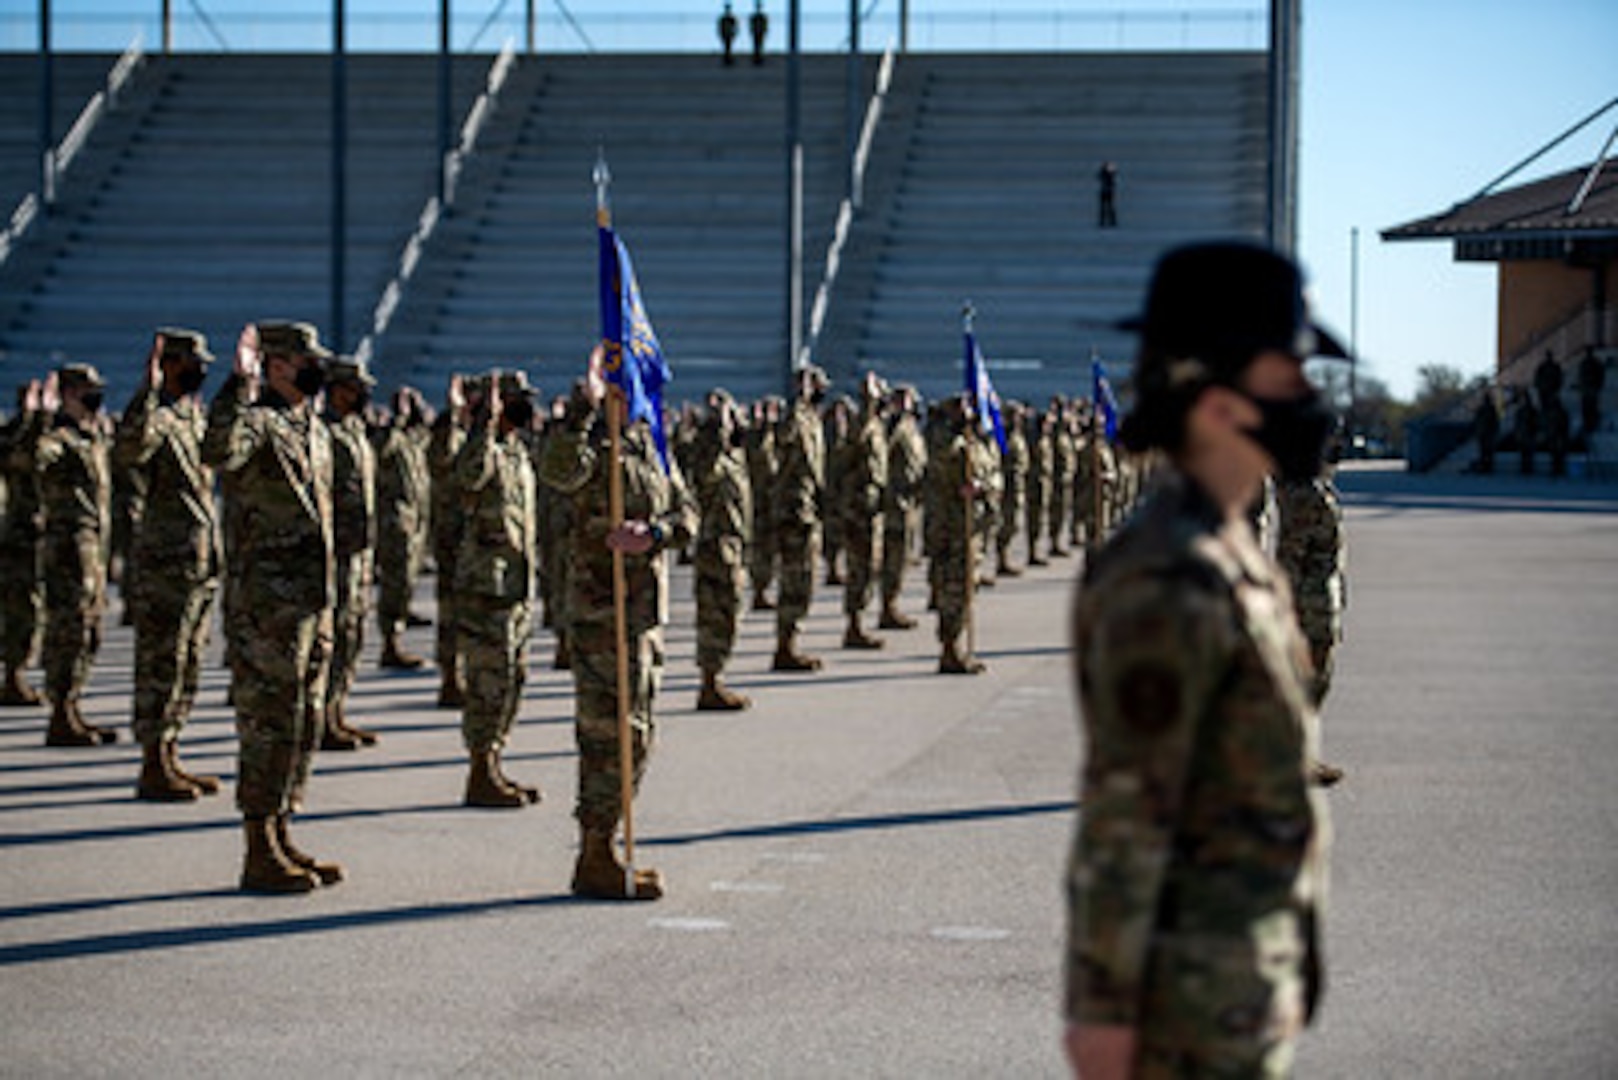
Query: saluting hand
point(249, 363)
point(154, 363)
point(50, 396)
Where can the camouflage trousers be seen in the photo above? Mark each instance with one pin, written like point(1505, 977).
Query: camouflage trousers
point(75, 599)
point(1216, 1007)
point(171, 634)
point(348, 625)
point(1323, 630)
point(719, 584)
point(1012, 507)
point(898, 537)
point(799, 546)
point(19, 603)
point(493, 639)
point(1034, 516)
point(1058, 508)
point(950, 579)
point(762, 551)
point(595, 685)
point(446, 647)
point(398, 563)
point(279, 662)
point(862, 541)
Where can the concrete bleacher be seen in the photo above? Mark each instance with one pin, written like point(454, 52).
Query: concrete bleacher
point(204, 201)
point(984, 187)
point(696, 156)
point(75, 79)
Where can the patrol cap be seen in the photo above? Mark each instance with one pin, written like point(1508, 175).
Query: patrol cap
point(182, 344)
point(279, 338)
point(78, 376)
point(1219, 304)
point(816, 375)
point(514, 384)
point(348, 369)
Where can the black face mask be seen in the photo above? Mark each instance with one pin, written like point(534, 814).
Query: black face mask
point(309, 380)
point(1294, 432)
point(190, 380)
point(92, 400)
point(520, 413)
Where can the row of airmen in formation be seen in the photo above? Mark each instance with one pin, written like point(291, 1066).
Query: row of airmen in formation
point(313, 509)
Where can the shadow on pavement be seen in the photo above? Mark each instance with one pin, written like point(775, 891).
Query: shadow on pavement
point(863, 823)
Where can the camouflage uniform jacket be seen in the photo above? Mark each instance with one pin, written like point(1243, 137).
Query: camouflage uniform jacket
point(761, 459)
point(162, 437)
point(1014, 464)
point(497, 556)
point(354, 482)
point(278, 459)
point(1200, 853)
point(75, 492)
point(947, 474)
point(725, 500)
point(864, 476)
point(800, 479)
point(577, 465)
point(907, 466)
point(403, 483)
point(1309, 547)
point(443, 447)
point(19, 528)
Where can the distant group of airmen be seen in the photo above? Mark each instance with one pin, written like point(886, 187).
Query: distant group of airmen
point(294, 497)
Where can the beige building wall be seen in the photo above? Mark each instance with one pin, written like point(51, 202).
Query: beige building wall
point(1540, 295)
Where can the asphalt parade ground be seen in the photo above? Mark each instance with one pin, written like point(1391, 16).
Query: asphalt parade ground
point(865, 869)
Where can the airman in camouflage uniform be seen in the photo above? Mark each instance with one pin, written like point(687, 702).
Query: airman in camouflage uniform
point(901, 501)
point(724, 503)
point(19, 553)
point(277, 454)
point(839, 423)
point(1064, 467)
point(962, 478)
point(1309, 547)
point(1015, 462)
point(75, 490)
point(448, 524)
point(761, 466)
point(495, 572)
point(175, 556)
point(1041, 466)
point(800, 490)
point(859, 496)
point(657, 517)
point(354, 536)
point(1197, 878)
point(403, 490)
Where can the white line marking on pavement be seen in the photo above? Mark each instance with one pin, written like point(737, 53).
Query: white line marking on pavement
point(688, 925)
point(746, 886)
point(970, 933)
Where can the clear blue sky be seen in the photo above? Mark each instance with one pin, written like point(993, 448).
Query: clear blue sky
point(1408, 105)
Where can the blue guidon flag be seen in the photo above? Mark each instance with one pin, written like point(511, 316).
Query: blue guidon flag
point(1105, 403)
point(984, 399)
point(633, 360)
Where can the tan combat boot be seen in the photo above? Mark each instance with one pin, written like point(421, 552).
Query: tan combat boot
point(67, 730)
point(599, 875)
point(954, 662)
point(894, 619)
point(1003, 567)
point(788, 658)
point(158, 782)
point(205, 785)
point(329, 873)
point(395, 657)
point(265, 868)
point(338, 717)
point(855, 637)
point(15, 691)
point(486, 788)
point(528, 792)
point(715, 696)
point(102, 734)
point(332, 735)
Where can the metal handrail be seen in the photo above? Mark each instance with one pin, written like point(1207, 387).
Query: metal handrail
point(59, 157)
point(477, 117)
point(848, 207)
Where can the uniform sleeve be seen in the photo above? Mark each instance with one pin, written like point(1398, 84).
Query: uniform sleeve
point(1152, 654)
point(233, 438)
point(139, 435)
